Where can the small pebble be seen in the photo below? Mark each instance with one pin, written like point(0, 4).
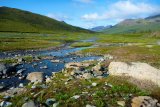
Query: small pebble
point(76, 96)
point(94, 84)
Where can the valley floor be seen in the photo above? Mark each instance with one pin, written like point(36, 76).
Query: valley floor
point(76, 88)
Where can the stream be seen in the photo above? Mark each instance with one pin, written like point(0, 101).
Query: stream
point(63, 55)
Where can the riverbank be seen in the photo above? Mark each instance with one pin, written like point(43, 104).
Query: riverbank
point(80, 84)
point(78, 73)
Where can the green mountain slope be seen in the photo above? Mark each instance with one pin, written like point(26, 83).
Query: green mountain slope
point(15, 20)
point(150, 24)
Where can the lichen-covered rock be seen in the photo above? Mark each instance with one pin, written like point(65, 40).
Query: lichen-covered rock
point(36, 77)
point(97, 70)
point(144, 101)
point(48, 80)
point(141, 71)
point(87, 76)
point(29, 104)
point(121, 103)
point(76, 65)
point(20, 60)
point(94, 84)
point(90, 105)
point(14, 91)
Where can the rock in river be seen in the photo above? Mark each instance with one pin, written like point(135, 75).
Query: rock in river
point(76, 65)
point(2, 86)
point(20, 60)
point(3, 69)
point(141, 71)
point(20, 71)
point(36, 77)
point(43, 67)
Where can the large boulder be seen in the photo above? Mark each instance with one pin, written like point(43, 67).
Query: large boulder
point(36, 77)
point(144, 101)
point(141, 71)
point(76, 65)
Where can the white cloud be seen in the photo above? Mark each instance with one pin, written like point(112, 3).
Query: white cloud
point(92, 16)
point(123, 10)
point(83, 1)
point(59, 17)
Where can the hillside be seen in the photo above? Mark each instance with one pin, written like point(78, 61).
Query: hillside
point(16, 20)
point(149, 24)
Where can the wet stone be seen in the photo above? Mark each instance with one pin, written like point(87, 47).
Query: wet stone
point(5, 104)
point(50, 101)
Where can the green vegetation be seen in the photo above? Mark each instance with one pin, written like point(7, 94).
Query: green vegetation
point(148, 25)
point(47, 33)
point(15, 20)
point(127, 38)
point(81, 44)
point(27, 58)
point(140, 53)
point(100, 95)
point(8, 60)
point(24, 41)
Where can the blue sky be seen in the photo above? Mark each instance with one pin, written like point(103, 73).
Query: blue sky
point(88, 13)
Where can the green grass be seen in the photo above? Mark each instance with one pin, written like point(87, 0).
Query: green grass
point(23, 41)
point(27, 58)
point(81, 44)
point(129, 53)
point(126, 38)
point(99, 96)
point(16, 20)
point(8, 60)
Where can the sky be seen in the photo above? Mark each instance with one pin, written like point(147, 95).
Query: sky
point(88, 13)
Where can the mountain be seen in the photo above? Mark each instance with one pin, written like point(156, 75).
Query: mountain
point(100, 28)
point(149, 24)
point(16, 20)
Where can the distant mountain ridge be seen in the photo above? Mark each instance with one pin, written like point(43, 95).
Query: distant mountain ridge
point(16, 20)
point(100, 28)
point(149, 24)
point(152, 17)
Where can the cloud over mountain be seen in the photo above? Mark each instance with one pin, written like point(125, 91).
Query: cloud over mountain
point(123, 10)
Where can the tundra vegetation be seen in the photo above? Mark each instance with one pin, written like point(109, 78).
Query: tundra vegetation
point(88, 86)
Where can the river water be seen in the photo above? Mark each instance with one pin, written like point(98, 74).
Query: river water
point(64, 56)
